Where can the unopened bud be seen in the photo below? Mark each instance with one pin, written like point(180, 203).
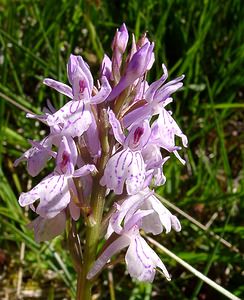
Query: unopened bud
point(136, 68)
point(121, 39)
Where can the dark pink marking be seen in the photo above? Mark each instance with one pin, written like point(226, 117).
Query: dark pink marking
point(137, 134)
point(82, 86)
point(65, 160)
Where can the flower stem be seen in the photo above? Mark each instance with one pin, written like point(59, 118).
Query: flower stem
point(84, 286)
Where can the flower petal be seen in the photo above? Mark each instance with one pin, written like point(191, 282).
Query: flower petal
point(74, 117)
point(92, 140)
point(141, 261)
point(85, 170)
point(136, 174)
point(67, 156)
point(103, 92)
point(136, 68)
point(125, 212)
point(106, 67)
point(47, 229)
point(85, 68)
point(113, 248)
point(164, 130)
point(53, 193)
point(149, 95)
point(127, 167)
point(54, 196)
point(138, 136)
point(116, 126)
point(59, 86)
point(162, 218)
point(37, 156)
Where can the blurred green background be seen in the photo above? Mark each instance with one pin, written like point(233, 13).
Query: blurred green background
point(203, 40)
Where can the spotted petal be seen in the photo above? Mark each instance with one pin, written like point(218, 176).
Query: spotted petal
point(53, 193)
point(124, 167)
point(74, 118)
point(142, 261)
point(164, 131)
point(37, 156)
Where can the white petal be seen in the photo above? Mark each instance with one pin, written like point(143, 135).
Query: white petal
point(136, 174)
point(85, 170)
point(124, 167)
point(138, 261)
point(141, 261)
point(163, 216)
point(53, 194)
point(74, 117)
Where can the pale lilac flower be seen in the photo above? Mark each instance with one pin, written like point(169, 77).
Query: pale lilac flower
point(54, 190)
point(81, 79)
point(164, 130)
point(37, 156)
point(159, 219)
point(73, 119)
point(156, 97)
point(140, 211)
point(140, 259)
point(127, 165)
point(154, 164)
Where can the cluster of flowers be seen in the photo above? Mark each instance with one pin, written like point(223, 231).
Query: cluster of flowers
point(139, 125)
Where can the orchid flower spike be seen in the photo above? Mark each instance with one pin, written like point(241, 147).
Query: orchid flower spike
point(107, 137)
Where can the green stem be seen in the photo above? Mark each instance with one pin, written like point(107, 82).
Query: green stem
point(93, 230)
point(84, 286)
